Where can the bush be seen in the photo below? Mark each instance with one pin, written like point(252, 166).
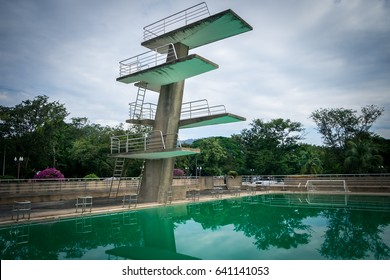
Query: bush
point(233, 174)
point(49, 173)
point(178, 172)
point(7, 177)
point(91, 176)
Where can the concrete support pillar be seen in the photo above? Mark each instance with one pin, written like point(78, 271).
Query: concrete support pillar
point(158, 174)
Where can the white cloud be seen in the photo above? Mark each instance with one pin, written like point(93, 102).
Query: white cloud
point(301, 56)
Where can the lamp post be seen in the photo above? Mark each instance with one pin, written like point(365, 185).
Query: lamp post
point(200, 170)
point(18, 160)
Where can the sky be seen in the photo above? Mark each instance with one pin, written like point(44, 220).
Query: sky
point(302, 55)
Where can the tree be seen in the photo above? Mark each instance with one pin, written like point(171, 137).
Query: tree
point(270, 146)
point(362, 157)
point(32, 130)
point(211, 157)
point(309, 160)
point(338, 126)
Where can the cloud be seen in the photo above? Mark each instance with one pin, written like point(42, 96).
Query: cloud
point(301, 56)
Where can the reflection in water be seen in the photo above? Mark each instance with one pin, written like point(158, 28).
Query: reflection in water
point(273, 226)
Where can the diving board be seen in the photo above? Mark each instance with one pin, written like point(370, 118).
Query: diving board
point(207, 30)
point(210, 120)
point(171, 72)
point(158, 154)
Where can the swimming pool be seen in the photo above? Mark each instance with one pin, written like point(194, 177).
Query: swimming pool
point(273, 226)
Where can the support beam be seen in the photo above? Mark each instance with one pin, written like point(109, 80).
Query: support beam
point(158, 174)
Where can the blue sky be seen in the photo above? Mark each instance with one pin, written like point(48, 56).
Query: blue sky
point(301, 56)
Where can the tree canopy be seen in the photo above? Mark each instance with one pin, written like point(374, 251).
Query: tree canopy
point(38, 131)
point(338, 125)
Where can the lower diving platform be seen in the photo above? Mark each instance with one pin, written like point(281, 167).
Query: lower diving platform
point(151, 145)
point(206, 29)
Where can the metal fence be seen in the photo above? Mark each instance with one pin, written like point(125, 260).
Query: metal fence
point(176, 20)
point(147, 60)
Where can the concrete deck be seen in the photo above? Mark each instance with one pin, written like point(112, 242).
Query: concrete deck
point(46, 211)
point(51, 211)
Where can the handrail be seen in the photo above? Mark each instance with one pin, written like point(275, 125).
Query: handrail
point(147, 60)
point(141, 142)
point(148, 111)
point(192, 109)
point(200, 108)
point(176, 20)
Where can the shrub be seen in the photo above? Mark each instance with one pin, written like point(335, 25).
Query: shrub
point(49, 173)
point(91, 176)
point(178, 172)
point(7, 177)
point(233, 174)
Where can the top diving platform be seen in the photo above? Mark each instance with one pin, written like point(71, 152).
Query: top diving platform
point(198, 29)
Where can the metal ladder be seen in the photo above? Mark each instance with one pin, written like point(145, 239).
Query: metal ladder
point(132, 199)
point(116, 179)
point(139, 102)
point(141, 175)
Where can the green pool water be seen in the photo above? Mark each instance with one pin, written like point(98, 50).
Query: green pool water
point(273, 226)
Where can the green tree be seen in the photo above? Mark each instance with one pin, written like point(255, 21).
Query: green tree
point(32, 130)
point(211, 157)
point(310, 160)
point(270, 147)
point(338, 125)
point(362, 157)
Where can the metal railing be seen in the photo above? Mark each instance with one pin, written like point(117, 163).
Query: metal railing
point(69, 185)
point(152, 141)
point(200, 108)
point(192, 109)
point(353, 182)
point(148, 111)
point(176, 20)
point(147, 60)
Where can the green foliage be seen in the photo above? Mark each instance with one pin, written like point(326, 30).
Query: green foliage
point(270, 147)
point(310, 160)
point(36, 129)
point(91, 176)
point(211, 157)
point(7, 177)
point(232, 173)
point(338, 125)
point(362, 157)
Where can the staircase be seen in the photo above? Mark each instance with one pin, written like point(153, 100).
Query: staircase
point(116, 179)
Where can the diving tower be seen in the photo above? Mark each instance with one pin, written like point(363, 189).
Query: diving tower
point(163, 69)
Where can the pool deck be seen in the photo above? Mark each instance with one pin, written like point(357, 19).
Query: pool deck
point(46, 211)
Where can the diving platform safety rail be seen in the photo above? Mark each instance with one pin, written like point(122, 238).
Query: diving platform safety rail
point(189, 110)
point(176, 20)
point(193, 114)
point(152, 145)
point(147, 60)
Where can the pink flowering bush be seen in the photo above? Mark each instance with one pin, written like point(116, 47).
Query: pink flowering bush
point(49, 173)
point(178, 172)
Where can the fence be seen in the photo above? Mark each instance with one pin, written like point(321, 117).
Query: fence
point(354, 182)
point(176, 20)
